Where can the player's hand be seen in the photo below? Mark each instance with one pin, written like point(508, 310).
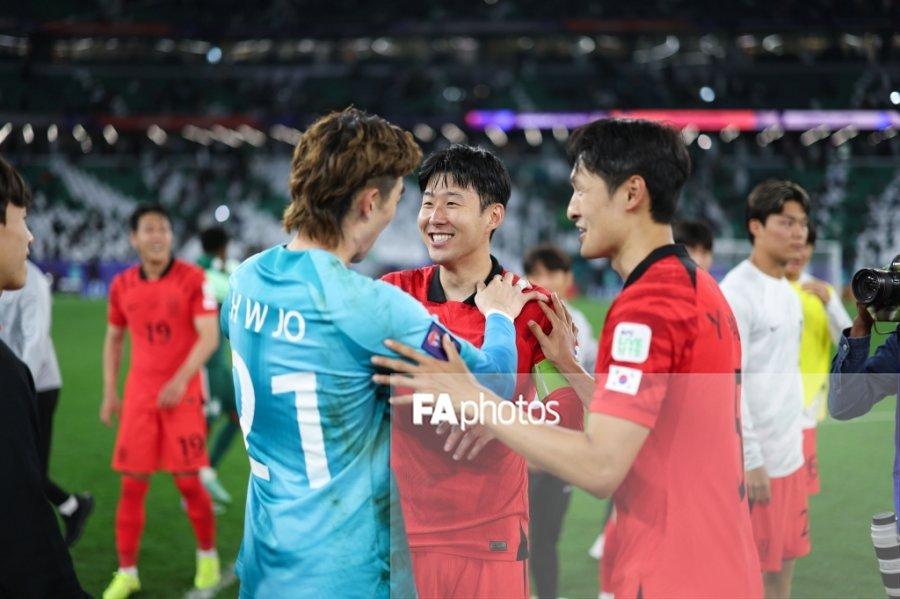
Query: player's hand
point(818, 288)
point(468, 443)
point(501, 294)
point(862, 324)
point(171, 393)
point(560, 344)
point(425, 374)
point(759, 489)
point(111, 405)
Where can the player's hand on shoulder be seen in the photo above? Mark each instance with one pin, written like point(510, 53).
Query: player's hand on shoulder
point(818, 288)
point(110, 406)
point(560, 343)
point(171, 393)
point(503, 295)
point(465, 443)
point(759, 489)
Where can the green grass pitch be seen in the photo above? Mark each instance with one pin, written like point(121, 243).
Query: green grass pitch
point(855, 461)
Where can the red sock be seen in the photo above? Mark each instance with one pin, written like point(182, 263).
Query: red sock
point(130, 519)
point(199, 510)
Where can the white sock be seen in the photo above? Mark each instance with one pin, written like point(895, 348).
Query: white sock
point(132, 570)
point(207, 474)
point(68, 507)
point(207, 553)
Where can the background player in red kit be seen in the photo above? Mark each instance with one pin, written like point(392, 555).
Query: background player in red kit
point(664, 431)
point(172, 320)
point(467, 517)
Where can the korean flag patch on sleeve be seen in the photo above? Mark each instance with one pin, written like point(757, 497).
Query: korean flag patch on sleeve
point(624, 379)
point(432, 343)
point(631, 342)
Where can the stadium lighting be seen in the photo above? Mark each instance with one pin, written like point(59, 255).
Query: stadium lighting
point(729, 133)
point(534, 137)
point(5, 131)
point(79, 132)
point(52, 133)
point(222, 213)
point(689, 134)
point(28, 133)
point(844, 135)
point(226, 136)
point(453, 133)
point(286, 134)
point(561, 133)
point(452, 94)
point(157, 135)
point(496, 135)
point(110, 134)
point(704, 142)
point(586, 45)
point(86, 145)
point(811, 136)
point(196, 134)
point(252, 136)
point(895, 98)
point(423, 132)
point(214, 55)
point(707, 94)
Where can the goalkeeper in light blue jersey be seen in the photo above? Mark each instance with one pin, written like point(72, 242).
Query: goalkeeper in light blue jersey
point(322, 519)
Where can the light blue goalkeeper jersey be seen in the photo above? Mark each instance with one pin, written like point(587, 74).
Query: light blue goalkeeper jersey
point(303, 328)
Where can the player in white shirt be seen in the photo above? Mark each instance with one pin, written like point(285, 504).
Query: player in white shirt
point(770, 320)
point(824, 319)
point(25, 328)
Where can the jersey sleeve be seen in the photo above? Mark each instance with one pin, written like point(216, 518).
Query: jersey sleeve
point(114, 313)
point(202, 298)
point(635, 361)
point(743, 315)
point(387, 312)
point(551, 386)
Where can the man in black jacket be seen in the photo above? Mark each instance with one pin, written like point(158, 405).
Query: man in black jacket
point(34, 561)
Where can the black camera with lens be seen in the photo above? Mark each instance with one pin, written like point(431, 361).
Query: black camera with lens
point(879, 291)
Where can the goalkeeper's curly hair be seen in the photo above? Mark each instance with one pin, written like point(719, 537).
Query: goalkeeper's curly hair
point(339, 155)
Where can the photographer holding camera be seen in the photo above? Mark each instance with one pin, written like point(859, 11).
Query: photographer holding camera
point(858, 381)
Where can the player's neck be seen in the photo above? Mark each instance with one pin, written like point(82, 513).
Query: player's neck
point(637, 247)
point(154, 270)
point(301, 243)
point(460, 277)
point(766, 264)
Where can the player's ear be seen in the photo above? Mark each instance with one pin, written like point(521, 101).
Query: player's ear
point(496, 214)
point(367, 201)
point(636, 192)
point(132, 237)
point(755, 226)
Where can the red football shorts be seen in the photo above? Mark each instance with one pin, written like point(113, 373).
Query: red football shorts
point(152, 439)
point(781, 527)
point(445, 575)
point(811, 460)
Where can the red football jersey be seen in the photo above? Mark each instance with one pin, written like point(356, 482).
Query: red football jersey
point(159, 316)
point(475, 508)
point(669, 360)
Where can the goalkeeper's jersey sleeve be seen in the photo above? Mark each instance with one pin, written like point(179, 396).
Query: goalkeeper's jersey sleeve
point(303, 329)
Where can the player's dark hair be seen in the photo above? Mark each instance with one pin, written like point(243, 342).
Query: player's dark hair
point(13, 189)
point(339, 155)
point(616, 149)
point(693, 233)
point(213, 240)
point(769, 197)
point(549, 256)
point(469, 167)
point(143, 209)
point(811, 234)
